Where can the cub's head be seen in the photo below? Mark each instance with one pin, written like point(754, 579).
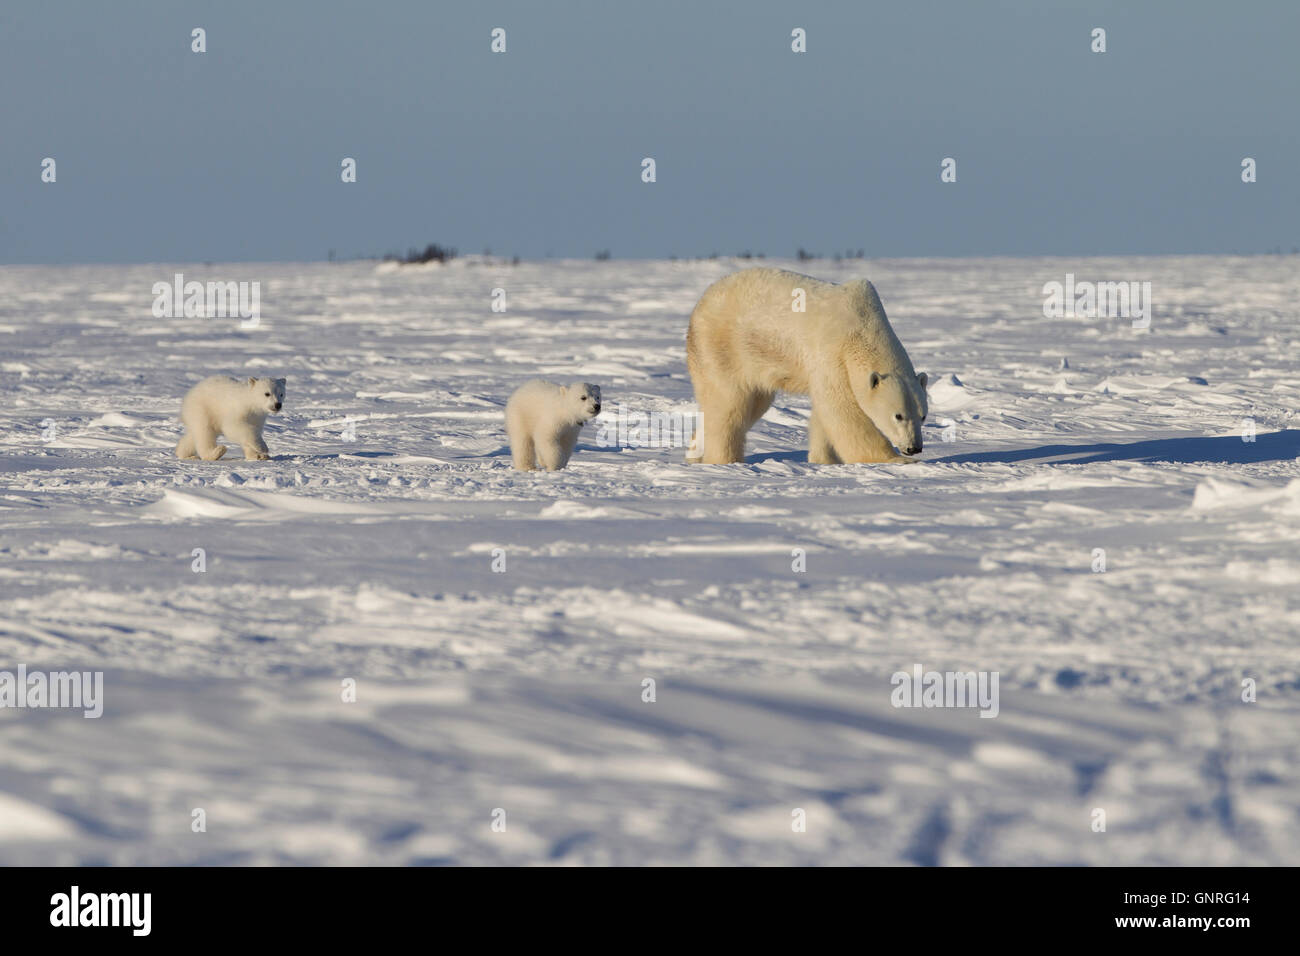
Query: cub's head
point(584, 398)
point(268, 394)
point(896, 404)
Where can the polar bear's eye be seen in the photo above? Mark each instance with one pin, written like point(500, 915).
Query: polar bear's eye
point(898, 417)
point(268, 394)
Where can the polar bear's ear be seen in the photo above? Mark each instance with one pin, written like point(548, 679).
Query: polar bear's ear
point(874, 380)
point(564, 390)
point(923, 379)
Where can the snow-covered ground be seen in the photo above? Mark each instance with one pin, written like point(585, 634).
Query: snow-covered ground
point(365, 549)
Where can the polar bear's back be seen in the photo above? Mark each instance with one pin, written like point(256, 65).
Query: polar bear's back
point(536, 403)
point(217, 398)
point(533, 398)
point(214, 387)
point(745, 325)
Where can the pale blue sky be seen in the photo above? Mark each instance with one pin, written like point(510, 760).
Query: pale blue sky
point(168, 155)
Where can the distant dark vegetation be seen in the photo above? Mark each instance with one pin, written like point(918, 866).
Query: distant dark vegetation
point(804, 255)
point(431, 253)
point(436, 253)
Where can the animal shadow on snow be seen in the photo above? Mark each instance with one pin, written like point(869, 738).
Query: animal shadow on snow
point(1227, 449)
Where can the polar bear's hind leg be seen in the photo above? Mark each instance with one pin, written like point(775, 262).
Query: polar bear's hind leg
point(724, 419)
point(522, 453)
point(204, 437)
point(185, 447)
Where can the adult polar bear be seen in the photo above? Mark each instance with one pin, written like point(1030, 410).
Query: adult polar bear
point(748, 340)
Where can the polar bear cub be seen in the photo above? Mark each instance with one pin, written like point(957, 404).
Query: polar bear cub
point(236, 408)
point(543, 421)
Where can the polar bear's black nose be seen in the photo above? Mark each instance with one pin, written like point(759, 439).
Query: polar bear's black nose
point(914, 450)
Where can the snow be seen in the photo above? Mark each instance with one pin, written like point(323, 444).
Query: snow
point(372, 559)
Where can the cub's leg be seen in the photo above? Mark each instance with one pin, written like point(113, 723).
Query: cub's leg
point(550, 451)
point(185, 447)
point(820, 449)
point(519, 433)
point(565, 442)
point(250, 440)
point(205, 441)
point(522, 452)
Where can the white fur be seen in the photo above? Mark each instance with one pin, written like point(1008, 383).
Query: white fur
point(543, 421)
point(746, 343)
point(236, 408)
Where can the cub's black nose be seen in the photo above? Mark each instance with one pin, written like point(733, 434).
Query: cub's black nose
point(597, 409)
point(277, 406)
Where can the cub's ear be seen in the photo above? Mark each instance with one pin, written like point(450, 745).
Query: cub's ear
point(875, 379)
point(252, 382)
point(280, 382)
point(923, 379)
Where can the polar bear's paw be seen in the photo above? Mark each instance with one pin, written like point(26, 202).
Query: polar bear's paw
point(214, 453)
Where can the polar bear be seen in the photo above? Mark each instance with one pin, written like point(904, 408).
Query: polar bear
point(543, 421)
point(236, 408)
point(748, 340)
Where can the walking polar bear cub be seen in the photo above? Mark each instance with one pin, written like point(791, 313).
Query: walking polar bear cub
point(543, 421)
point(747, 341)
point(232, 407)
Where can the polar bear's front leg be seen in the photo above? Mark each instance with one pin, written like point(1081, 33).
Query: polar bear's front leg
point(820, 449)
point(853, 436)
point(255, 449)
point(567, 441)
point(550, 455)
point(554, 449)
point(250, 440)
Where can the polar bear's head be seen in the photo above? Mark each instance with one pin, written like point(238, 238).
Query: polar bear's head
point(583, 398)
point(267, 394)
point(896, 404)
